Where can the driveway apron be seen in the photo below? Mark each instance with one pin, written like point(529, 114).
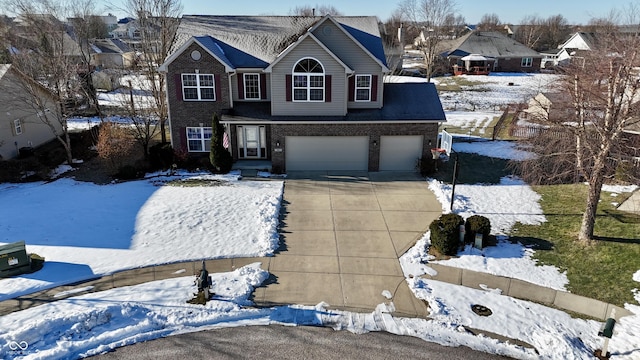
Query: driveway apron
point(341, 236)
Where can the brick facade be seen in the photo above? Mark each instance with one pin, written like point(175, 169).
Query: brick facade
point(193, 113)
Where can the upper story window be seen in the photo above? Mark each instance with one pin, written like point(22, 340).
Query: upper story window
point(198, 87)
point(527, 62)
point(308, 80)
point(363, 88)
point(17, 127)
point(252, 86)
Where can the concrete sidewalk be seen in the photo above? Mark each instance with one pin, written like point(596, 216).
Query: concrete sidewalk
point(632, 204)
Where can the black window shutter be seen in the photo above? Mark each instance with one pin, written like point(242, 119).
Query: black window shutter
point(327, 88)
point(287, 86)
point(216, 79)
point(352, 88)
point(263, 86)
point(374, 88)
point(240, 86)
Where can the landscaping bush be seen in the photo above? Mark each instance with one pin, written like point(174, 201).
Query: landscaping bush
point(128, 172)
point(161, 156)
point(426, 166)
point(445, 233)
point(477, 224)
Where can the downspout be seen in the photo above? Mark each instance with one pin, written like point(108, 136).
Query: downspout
point(230, 88)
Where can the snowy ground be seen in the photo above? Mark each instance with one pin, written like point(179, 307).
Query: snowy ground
point(116, 227)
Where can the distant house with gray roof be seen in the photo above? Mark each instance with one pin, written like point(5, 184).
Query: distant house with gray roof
point(111, 53)
point(576, 44)
point(506, 54)
point(305, 93)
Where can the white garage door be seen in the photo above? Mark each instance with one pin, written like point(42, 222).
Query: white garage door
point(400, 152)
point(327, 152)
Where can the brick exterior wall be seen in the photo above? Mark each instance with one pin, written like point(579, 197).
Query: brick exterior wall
point(514, 64)
point(184, 114)
point(429, 132)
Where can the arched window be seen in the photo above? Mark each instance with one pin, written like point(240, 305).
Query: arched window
point(308, 80)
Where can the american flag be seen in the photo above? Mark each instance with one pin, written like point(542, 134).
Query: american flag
point(225, 140)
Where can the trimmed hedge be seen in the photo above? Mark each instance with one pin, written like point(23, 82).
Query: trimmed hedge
point(445, 233)
point(477, 224)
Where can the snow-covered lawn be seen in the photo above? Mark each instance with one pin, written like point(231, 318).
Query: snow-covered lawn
point(85, 230)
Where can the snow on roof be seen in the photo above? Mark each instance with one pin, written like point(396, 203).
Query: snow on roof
point(258, 40)
point(3, 69)
point(490, 43)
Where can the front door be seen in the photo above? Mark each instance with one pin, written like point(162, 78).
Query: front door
point(251, 142)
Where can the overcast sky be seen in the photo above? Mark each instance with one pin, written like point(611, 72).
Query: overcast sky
point(509, 11)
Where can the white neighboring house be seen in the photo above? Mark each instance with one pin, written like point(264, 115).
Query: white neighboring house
point(20, 125)
point(577, 42)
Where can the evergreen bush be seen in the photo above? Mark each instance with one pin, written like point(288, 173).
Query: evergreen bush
point(477, 224)
point(445, 231)
point(219, 157)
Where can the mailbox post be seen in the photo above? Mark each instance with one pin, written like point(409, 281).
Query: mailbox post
point(204, 282)
point(606, 331)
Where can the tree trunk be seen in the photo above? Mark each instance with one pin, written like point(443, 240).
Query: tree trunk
point(587, 225)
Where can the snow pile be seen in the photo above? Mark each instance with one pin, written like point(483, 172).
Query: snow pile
point(625, 343)
point(497, 149)
point(95, 323)
point(471, 121)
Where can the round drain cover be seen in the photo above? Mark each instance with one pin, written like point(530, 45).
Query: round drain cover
point(481, 310)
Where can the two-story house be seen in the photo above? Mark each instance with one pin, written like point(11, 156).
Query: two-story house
point(306, 93)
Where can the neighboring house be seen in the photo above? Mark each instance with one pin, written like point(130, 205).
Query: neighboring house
point(507, 54)
point(306, 93)
point(550, 106)
point(577, 43)
point(111, 53)
point(20, 125)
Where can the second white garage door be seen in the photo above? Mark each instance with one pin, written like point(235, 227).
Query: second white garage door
point(400, 152)
point(327, 152)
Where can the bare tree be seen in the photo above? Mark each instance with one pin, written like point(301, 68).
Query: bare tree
point(490, 22)
point(603, 91)
point(530, 32)
point(158, 21)
point(555, 30)
point(46, 55)
point(434, 18)
point(318, 10)
point(393, 40)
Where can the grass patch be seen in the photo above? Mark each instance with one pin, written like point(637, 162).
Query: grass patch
point(603, 271)
point(473, 169)
point(456, 83)
point(476, 128)
point(197, 182)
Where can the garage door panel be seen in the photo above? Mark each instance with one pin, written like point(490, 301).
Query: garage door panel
point(327, 152)
point(400, 152)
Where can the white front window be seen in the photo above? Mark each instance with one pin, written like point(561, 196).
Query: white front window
point(363, 88)
point(527, 62)
point(198, 87)
point(308, 80)
point(17, 126)
point(252, 86)
point(199, 139)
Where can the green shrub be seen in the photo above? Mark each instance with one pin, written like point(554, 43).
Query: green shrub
point(426, 166)
point(445, 233)
point(477, 224)
point(220, 158)
point(161, 156)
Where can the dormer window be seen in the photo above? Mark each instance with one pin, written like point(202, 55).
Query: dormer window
point(308, 80)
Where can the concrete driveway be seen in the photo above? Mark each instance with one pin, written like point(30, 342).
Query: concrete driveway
point(342, 234)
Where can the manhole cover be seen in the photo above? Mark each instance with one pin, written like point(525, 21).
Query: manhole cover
point(481, 310)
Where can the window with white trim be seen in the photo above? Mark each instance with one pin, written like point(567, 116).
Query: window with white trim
point(17, 126)
point(198, 87)
point(252, 86)
point(527, 62)
point(363, 88)
point(199, 139)
point(308, 80)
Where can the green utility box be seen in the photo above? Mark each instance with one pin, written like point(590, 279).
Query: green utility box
point(14, 259)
